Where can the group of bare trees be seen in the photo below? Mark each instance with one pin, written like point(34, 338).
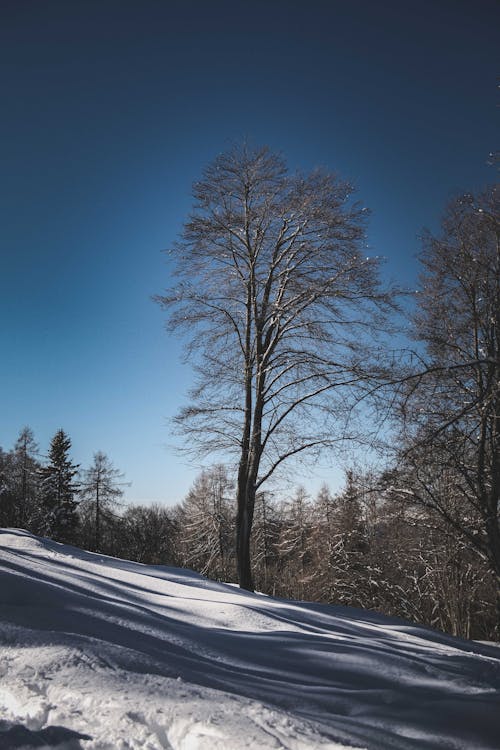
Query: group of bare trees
point(284, 319)
point(450, 462)
point(360, 547)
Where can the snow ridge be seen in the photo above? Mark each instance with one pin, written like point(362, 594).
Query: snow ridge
point(105, 654)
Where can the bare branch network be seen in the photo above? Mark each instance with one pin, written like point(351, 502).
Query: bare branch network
point(280, 307)
point(273, 290)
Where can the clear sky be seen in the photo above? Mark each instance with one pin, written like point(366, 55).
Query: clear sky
point(111, 108)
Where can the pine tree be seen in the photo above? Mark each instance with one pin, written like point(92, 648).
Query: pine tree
point(323, 546)
point(58, 491)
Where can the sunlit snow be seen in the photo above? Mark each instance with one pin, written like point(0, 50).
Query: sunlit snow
point(111, 655)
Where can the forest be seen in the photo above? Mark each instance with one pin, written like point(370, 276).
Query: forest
point(360, 547)
point(299, 350)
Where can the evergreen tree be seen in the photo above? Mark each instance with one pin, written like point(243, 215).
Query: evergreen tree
point(58, 491)
point(349, 514)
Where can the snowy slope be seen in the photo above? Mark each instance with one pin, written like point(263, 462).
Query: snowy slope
point(107, 654)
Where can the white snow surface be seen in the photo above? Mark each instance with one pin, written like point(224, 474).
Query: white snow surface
point(105, 654)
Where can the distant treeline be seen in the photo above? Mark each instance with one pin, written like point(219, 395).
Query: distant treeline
point(361, 547)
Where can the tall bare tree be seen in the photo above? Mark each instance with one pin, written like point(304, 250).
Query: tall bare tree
point(279, 303)
point(452, 464)
point(100, 490)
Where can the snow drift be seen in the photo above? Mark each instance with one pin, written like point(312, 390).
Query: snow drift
point(112, 655)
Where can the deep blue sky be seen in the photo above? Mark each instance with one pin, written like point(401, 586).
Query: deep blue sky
point(111, 108)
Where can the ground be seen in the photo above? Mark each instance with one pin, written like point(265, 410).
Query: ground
point(105, 654)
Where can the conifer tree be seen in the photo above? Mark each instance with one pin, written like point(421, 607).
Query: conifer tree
point(58, 490)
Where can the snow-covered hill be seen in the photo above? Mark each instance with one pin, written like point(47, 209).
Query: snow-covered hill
point(107, 654)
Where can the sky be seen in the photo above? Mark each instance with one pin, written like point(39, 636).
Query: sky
point(111, 109)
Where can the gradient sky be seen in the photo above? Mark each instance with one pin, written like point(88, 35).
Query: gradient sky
point(111, 108)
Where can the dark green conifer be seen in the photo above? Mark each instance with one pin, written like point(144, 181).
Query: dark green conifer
point(59, 489)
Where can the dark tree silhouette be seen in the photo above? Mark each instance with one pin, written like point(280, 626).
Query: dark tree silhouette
point(452, 404)
point(279, 302)
point(58, 491)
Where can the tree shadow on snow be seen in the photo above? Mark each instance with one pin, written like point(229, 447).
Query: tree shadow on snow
point(14, 736)
point(379, 681)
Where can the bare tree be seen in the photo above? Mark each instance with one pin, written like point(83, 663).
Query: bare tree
point(206, 521)
point(100, 490)
point(149, 534)
point(452, 406)
point(280, 304)
point(267, 524)
point(26, 472)
point(294, 546)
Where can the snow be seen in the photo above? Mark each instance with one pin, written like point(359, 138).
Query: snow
point(105, 654)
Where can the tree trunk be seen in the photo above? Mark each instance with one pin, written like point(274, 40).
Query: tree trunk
point(244, 520)
point(97, 519)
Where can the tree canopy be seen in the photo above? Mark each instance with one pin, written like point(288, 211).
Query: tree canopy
point(280, 305)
